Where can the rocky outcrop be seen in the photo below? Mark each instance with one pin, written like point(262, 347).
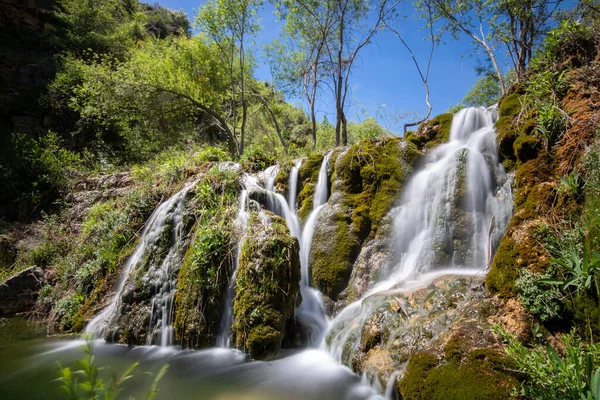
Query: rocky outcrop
point(19, 293)
point(431, 133)
point(367, 180)
point(445, 323)
point(267, 286)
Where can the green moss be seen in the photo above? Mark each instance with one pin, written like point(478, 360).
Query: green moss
point(283, 177)
point(368, 179)
point(262, 340)
point(504, 272)
point(308, 175)
point(526, 148)
point(267, 285)
point(479, 374)
point(506, 125)
point(432, 133)
point(331, 265)
point(467, 382)
point(412, 385)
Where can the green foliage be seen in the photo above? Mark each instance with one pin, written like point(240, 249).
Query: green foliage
point(484, 93)
point(571, 184)
point(41, 172)
point(205, 272)
point(537, 297)
point(566, 40)
point(66, 308)
point(85, 382)
point(572, 374)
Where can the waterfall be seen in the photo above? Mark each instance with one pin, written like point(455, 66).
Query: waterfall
point(251, 198)
point(271, 174)
point(293, 186)
point(311, 311)
point(451, 214)
point(169, 212)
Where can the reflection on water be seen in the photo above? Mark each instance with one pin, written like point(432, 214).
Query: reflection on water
point(29, 366)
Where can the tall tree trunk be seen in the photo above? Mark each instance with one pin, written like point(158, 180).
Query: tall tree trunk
point(243, 98)
point(313, 119)
point(344, 129)
point(339, 108)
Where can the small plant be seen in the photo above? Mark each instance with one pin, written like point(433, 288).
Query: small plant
point(85, 383)
point(579, 269)
point(540, 300)
point(571, 183)
point(574, 375)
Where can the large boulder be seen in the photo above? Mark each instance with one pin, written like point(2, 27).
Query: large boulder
point(19, 292)
point(367, 181)
point(267, 286)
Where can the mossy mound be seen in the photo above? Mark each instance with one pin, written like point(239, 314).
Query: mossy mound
point(267, 287)
point(484, 374)
point(432, 133)
point(526, 148)
point(368, 178)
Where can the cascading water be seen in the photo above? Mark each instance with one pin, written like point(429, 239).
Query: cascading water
point(170, 213)
point(311, 311)
point(293, 186)
point(450, 212)
point(450, 216)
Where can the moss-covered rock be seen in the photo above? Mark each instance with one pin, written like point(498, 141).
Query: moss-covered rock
point(267, 287)
point(432, 133)
point(485, 375)
point(508, 123)
point(368, 178)
point(308, 175)
point(526, 148)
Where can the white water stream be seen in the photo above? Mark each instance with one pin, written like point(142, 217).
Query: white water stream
point(168, 214)
point(460, 178)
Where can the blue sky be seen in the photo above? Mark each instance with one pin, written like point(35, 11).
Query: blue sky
point(384, 76)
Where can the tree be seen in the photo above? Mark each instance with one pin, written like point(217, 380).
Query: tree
point(309, 25)
point(516, 25)
point(350, 35)
point(521, 25)
point(164, 89)
point(231, 23)
point(423, 74)
point(468, 17)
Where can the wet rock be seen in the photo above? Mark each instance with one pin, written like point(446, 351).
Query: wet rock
point(267, 287)
point(442, 312)
point(367, 180)
point(19, 292)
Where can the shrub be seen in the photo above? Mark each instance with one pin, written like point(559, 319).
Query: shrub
point(540, 300)
point(571, 376)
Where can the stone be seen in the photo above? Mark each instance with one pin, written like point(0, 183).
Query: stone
point(19, 292)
